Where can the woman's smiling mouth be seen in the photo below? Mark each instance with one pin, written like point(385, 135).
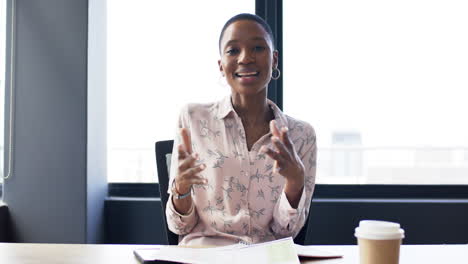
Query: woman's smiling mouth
point(247, 77)
point(246, 74)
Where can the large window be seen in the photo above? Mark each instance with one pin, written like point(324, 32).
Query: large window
point(161, 55)
point(385, 85)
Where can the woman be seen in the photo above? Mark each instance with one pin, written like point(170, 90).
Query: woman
point(241, 169)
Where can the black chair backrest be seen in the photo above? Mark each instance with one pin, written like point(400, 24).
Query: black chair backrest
point(301, 237)
point(162, 149)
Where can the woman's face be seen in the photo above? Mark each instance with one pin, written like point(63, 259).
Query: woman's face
point(247, 57)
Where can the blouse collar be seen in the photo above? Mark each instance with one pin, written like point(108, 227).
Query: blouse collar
point(225, 108)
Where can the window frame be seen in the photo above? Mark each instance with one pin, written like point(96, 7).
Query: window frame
point(272, 12)
point(8, 94)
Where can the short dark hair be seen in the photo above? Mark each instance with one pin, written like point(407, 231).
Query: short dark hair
point(251, 17)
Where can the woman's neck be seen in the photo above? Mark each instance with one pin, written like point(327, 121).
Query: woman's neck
point(252, 109)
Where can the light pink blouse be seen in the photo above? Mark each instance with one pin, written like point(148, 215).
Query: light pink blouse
point(244, 199)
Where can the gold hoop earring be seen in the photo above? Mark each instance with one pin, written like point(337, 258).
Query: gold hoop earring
point(275, 74)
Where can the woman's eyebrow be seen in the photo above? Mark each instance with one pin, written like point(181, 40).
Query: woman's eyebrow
point(230, 42)
point(259, 38)
point(233, 41)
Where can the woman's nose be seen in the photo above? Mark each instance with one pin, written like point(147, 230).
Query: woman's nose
point(246, 57)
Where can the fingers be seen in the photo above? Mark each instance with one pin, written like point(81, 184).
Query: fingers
point(274, 129)
point(182, 153)
point(279, 146)
point(283, 145)
point(190, 177)
point(281, 134)
point(186, 141)
point(187, 162)
point(279, 159)
point(285, 137)
point(191, 174)
point(197, 180)
point(188, 173)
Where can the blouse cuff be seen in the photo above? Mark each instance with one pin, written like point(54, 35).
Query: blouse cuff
point(184, 218)
point(286, 214)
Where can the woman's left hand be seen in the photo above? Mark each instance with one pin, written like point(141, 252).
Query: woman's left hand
point(287, 161)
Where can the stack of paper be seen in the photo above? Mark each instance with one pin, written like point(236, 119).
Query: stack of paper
point(282, 251)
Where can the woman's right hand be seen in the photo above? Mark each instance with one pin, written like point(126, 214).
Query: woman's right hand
point(187, 172)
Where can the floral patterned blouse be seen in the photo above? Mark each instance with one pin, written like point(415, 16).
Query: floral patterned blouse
point(244, 198)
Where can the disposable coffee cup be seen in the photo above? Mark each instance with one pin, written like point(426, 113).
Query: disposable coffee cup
point(379, 241)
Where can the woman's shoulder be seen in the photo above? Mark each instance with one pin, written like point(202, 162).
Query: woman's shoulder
point(302, 134)
point(299, 127)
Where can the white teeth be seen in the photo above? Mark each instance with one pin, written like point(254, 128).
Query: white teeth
point(241, 74)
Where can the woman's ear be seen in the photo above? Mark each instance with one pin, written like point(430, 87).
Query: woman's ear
point(275, 59)
point(221, 67)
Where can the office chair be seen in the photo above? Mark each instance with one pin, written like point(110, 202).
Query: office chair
point(301, 237)
point(162, 149)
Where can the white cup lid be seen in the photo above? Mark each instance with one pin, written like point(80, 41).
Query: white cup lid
point(379, 230)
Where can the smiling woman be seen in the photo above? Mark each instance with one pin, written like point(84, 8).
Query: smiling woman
point(241, 170)
point(240, 50)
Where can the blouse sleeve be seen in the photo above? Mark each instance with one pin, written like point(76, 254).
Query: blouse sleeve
point(288, 221)
point(178, 223)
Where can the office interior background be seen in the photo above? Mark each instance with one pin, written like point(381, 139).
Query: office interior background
point(90, 86)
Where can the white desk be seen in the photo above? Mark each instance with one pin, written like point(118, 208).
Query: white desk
point(15, 253)
point(409, 254)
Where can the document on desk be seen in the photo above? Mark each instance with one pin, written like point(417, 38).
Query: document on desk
point(312, 252)
point(276, 252)
point(282, 251)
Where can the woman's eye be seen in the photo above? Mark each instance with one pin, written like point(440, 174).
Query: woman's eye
point(259, 48)
point(232, 51)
